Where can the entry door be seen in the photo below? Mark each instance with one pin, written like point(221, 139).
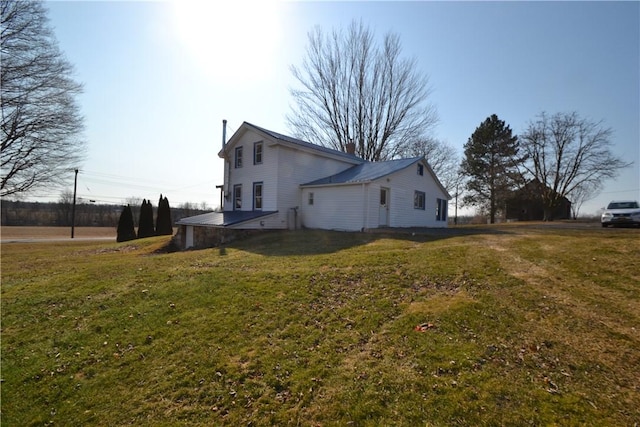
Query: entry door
point(383, 219)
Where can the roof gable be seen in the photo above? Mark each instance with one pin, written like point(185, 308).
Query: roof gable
point(291, 142)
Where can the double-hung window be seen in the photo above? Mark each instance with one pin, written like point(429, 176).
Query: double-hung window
point(257, 196)
point(237, 197)
point(257, 153)
point(418, 200)
point(238, 159)
point(420, 169)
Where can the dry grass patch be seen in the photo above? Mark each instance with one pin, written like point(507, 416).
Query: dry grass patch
point(529, 326)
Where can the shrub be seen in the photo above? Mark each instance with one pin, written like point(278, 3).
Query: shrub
point(126, 230)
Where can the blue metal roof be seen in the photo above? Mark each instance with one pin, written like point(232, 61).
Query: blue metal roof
point(223, 219)
point(365, 172)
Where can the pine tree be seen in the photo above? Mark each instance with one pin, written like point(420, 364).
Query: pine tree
point(491, 165)
point(163, 218)
point(145, 225)
point(126, 229)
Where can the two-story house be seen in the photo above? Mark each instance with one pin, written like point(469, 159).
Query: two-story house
point(273, 181)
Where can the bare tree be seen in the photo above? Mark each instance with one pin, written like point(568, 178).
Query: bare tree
point(581, 194)
point(65, 205)
point(41, 122)
point(442, 157)
point(356, 91)
point(567, 153)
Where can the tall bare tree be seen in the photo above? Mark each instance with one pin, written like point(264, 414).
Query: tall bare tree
point(353, 90)
point(568, 154)
point(41, 121)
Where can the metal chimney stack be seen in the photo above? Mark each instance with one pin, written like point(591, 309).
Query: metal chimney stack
point(224, 132)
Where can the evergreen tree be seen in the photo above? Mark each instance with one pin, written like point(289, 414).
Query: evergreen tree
point(145, 225)
point(491, 165)
point(163, 218)
point(126, 229)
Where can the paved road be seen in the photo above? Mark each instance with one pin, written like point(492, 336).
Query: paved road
point(55, 239)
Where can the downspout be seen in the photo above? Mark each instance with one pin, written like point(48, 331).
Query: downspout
point(227, 162)
point(365, 207)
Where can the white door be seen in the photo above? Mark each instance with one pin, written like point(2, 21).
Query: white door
point(383, 215)
point(189, 237)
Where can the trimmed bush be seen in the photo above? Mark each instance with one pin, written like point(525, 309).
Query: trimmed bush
point(164, 225)
point(126, 229)
point(145, 225)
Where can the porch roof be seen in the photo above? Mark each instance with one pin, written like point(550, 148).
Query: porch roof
point(223, 219)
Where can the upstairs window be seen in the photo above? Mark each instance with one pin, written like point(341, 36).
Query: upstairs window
point(418, 200)
point(238, 159)
point(257, 153)
point(311, 198)
point(420, 169)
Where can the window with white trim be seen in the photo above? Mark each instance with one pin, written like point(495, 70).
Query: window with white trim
point(311, 198)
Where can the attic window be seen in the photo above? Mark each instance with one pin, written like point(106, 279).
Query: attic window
point(311, 198)
point(238, 160)
point(420, 169)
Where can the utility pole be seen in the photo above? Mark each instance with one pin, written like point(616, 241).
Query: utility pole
point(73, 211)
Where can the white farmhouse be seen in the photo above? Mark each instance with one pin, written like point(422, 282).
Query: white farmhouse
point(273, 181)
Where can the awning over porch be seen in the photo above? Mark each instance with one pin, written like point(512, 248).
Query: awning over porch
point(223, 219)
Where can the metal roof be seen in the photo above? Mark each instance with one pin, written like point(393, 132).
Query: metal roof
point(305, 144)
point(365, 172)
point(223, 219)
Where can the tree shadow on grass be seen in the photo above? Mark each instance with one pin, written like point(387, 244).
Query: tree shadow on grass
point(315, 242)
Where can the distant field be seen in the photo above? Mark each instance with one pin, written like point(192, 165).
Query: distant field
point(12, 232)
point(504, 325)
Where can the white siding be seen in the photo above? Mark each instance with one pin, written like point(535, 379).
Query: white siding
point(403, 185)
point(281, 172)
point(335, 208)
point(250, 173)
point(357, 206)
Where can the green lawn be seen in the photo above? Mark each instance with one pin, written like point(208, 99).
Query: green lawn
point(527, 326)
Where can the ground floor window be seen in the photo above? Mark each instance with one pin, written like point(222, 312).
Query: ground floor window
point(237, 197)
point(441, 209)
point(418, 200)
point(257, 196)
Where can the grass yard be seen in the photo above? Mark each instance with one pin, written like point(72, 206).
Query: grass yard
point(521, 326)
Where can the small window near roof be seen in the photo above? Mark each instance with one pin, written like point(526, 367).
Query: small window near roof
point(420, 169)
point(310, 198)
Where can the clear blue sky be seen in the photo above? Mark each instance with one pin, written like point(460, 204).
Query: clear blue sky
point(159, 77)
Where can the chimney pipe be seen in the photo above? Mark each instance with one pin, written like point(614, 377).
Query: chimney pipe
point(224, 132)
point(351, 147)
